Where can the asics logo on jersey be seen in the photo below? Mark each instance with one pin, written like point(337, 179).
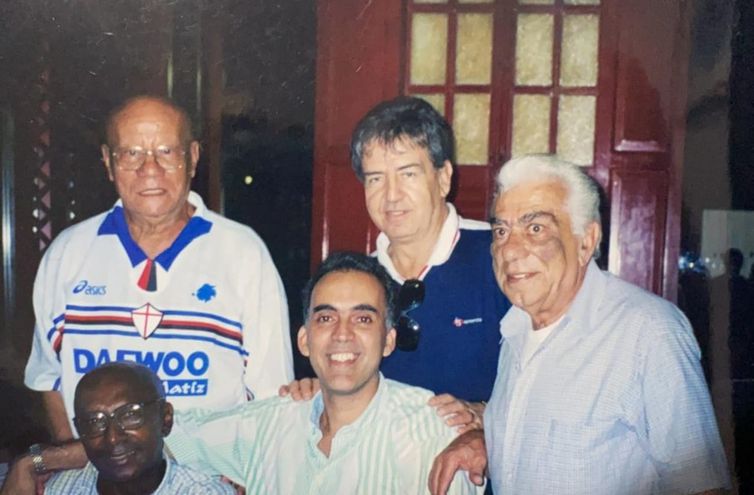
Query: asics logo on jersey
point(90, 290)
point(166, 364)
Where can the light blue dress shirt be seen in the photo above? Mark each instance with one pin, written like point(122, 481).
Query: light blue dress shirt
point(612, 402)
point(178, 480)
point(270, 446)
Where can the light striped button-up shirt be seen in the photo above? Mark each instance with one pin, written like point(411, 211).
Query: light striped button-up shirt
point(178, 480)
point(613, 401)
point(270, 446)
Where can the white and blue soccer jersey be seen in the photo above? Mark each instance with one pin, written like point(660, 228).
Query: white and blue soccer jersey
point(208, 314)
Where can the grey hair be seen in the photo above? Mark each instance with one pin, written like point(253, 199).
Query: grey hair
point(583, 199)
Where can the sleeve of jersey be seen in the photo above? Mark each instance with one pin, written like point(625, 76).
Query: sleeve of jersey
point(266, 331)
point(214, 442)
point(43, 367)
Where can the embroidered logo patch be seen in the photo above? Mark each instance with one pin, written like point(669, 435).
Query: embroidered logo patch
point(205, 293)
point(146, 319)
point(459, 322)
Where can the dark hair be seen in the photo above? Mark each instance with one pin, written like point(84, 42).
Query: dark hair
point(346, 261)
point(403, 117)
point(135, 375)
point(187, 134)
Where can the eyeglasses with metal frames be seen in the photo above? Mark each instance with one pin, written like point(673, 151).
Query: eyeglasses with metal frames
point(127, 417)
point(168, 157)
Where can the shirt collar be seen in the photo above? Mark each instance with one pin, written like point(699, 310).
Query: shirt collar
point(590, 296)
point(367, 417)
point(115, 224)
point(517, 322)
point(446, 242)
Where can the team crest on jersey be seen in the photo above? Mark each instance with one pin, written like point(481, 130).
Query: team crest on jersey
point(146, 319)
point(205, 293)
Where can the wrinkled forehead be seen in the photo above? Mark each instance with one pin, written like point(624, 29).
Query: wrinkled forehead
point(347, 290)
point(525, 198)
point(148, 119)
point(110, 391)
point(398, 144)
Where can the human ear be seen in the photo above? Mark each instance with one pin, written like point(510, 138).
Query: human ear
point(445, 176)
point(303, 341)
point(389, 343)
point(167, 418)
point(194, 152)
point(105, 150)
point(589, 242)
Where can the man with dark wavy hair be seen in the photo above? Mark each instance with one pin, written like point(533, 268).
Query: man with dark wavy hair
point(402, 151)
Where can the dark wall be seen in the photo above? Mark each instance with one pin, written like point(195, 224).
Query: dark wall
point(65, 64)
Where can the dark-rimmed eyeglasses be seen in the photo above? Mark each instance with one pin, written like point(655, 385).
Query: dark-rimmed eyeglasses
point(168, 157)
point(126, 417)
point(410, 296)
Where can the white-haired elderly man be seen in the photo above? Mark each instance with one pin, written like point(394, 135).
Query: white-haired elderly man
point(599, 386)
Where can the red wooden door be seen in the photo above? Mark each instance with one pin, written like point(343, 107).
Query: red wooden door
point(636, 96)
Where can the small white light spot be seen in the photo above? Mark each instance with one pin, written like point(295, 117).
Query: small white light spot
point(248, 180)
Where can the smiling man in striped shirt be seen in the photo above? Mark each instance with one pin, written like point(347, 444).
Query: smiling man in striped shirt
point(362, 433)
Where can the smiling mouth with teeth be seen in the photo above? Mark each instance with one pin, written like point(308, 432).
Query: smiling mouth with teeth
point(519, 276)
point(343, 357)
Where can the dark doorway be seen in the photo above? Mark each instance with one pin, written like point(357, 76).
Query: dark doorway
point(716, 288)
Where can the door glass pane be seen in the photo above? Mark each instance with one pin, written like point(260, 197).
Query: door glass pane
point(582, 2)
point(576, 115)
point(578, 63)
point(476, 1)
point(430, 1)
point(437, 100)
point(471, 122)
point(536, 2)
point(534, 50)
point(429, 40)
point(531, 124)
point(474, 49)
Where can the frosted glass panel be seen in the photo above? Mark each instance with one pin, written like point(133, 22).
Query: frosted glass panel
point(534, 50)
point(578, 63)
point(536, 2)
point(531, 124)
point(576, 115)
point(476, 1)
point(437, 100)
point(474, 49)
point(582, 2)
point(429, 39)
point(471, 123)
point(430, 1)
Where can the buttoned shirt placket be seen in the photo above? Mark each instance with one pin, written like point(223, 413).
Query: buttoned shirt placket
point(343, 444)
point(523, 381)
